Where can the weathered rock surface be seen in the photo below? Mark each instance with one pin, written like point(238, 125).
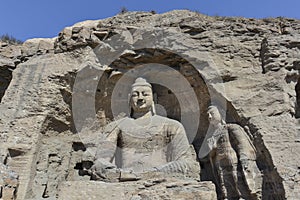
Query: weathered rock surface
point(258, 78)
point(151, 189)
point(8, 183)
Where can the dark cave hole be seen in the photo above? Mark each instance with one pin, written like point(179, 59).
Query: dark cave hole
point(82, 167)
point(77, 146)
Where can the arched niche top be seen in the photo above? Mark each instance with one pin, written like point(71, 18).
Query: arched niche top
point(130, 48)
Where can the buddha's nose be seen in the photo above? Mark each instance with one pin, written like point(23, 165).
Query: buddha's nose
point(209, 117)
point(140, 100)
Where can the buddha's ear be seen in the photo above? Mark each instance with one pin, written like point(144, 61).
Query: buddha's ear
point(154, 100)
point(129, 112)
point(128, 99)
point(153, 108)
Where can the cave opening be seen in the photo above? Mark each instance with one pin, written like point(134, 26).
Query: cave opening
point(5, 79)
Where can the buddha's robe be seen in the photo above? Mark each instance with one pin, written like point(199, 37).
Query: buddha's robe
point(160, 145)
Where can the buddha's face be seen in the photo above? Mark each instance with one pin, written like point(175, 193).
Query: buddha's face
point(141, 98)
point(214, 116)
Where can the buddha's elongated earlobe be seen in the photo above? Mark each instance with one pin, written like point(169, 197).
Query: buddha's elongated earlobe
point(223, 122)
point(129, 112)
point(153, 108)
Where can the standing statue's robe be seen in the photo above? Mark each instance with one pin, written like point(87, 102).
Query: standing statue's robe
point(226, 147)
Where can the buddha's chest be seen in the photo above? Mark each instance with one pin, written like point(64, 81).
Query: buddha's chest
point(143, 139)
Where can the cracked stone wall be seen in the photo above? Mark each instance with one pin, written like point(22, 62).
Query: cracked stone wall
point(257, 60)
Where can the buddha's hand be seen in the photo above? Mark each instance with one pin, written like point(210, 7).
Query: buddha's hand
point(129, 175)
point(101, 169)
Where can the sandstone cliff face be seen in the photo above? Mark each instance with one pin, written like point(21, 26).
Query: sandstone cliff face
point(257, 80)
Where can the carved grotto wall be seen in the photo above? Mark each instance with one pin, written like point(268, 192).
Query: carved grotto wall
point(254, 60)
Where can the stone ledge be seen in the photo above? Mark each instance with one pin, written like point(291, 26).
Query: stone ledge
point(138, 190)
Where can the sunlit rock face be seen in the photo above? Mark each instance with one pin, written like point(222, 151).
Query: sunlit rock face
point(249, 67)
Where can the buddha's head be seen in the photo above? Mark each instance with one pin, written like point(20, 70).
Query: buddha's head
point(141, 96)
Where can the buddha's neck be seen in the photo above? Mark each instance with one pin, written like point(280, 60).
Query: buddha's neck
point(137, 115)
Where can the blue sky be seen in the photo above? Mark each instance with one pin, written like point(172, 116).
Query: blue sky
point(26, 19)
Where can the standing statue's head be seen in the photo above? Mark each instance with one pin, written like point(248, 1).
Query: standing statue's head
point(141, 97)
point(214, 115)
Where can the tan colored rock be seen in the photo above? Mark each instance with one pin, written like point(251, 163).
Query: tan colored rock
point(152, 189)
point(37, 46)
point(257, 77)
point(8, 183)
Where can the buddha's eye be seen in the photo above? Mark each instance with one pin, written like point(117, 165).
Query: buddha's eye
point(134, 94)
